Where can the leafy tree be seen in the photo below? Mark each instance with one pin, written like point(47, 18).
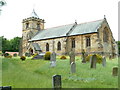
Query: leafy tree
point(9, 45)
point(118, 47)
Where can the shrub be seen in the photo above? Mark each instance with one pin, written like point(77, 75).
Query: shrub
point(47, 55)
point(99, 58)
point(15, 55)
point(34, 55)
point(10, 56)
point(22, 58)
point(6, 54)
point(63, 57)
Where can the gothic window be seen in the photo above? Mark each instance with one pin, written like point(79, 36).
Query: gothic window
point(73, 42)
point(59, 46)
point(105, 35)
point(47, 47)
point(88, 42)
point(27, 25)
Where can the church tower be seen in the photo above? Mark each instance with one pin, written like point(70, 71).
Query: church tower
point(30, 27)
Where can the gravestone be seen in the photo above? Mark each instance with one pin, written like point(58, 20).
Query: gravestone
point(93, 61)
point(6, 88)
point(83, 57)
point(115, 71)
point(53, 59)
point(90, 59)
point(72, 56)
point(57, 82)
point(104, 61)
point(73, 67)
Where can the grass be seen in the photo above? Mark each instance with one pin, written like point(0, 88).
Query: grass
point(38, 74)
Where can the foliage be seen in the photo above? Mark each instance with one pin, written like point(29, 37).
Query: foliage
point(6, 54)
point(118, 47)
point(27, 54)
point(47, 55)
point(99, 58)
point(9, 45)
point(34, 55)
point(63, 57)
point(9, 56)
point(15, 55)
point(22, 58)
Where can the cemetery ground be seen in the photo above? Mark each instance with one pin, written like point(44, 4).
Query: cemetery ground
point(38, 74)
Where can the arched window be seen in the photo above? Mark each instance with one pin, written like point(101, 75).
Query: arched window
point(88, 42)
point(73, 42)
point(105, 35)
point(47, 47)
point(59, 46)
point(27, 25)
point(38, 26)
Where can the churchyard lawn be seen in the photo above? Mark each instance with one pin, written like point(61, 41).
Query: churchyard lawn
point(38, 74)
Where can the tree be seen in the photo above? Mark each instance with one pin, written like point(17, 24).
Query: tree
point(2, 3)
point(118, 47)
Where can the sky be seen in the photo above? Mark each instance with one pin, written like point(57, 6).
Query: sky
point(57, 13)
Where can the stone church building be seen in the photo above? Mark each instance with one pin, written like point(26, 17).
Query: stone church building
point(92, 37)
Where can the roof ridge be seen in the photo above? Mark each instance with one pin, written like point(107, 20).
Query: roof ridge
point(59, 26)
point(91, 21)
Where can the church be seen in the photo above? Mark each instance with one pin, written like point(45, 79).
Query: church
point(92, 37)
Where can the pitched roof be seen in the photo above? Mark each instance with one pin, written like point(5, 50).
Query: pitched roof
point(33, 14)
point(62, 31)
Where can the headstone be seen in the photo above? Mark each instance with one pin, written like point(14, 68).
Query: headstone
point(73, 67)
point(115, 71)
point(72, 56)
point(90, 59)
point(57, 82)
point(83, 57)
point(104, 61)
point(93, 61)
point(53, 57)
point(6, 88)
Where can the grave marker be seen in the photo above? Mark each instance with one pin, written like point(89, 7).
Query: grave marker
point(53, 59)
point(73, 67)
point(104, 61)
point(115, 71)
point(72, 56)
point(93, 61)
point(83, 56)
point(57, 82)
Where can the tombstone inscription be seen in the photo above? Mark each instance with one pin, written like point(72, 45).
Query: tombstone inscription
point(57, 81)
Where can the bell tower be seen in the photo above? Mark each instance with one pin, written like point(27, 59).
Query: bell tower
point(30, 26)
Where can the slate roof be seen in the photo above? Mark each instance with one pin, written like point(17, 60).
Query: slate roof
point(61, 31)
point(36, 46)
point(33, 14)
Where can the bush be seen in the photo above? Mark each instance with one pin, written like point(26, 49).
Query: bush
point(6, 54)
point(10, 56)
point(47, 55)
point(34, 55)
point(15, 55)
point(99, 58)
point(63, 57)
point(22, 58)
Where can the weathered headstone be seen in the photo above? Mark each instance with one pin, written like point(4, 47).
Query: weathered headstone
point(83, 57)
point(53, 59)
point(104, 61)
point(6, 88)
point(115, 71)
point(72, 56)
point(93, 61)
point(57, 83)
point(73, 67)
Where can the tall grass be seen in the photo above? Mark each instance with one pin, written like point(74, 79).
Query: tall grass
point(38, 74)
